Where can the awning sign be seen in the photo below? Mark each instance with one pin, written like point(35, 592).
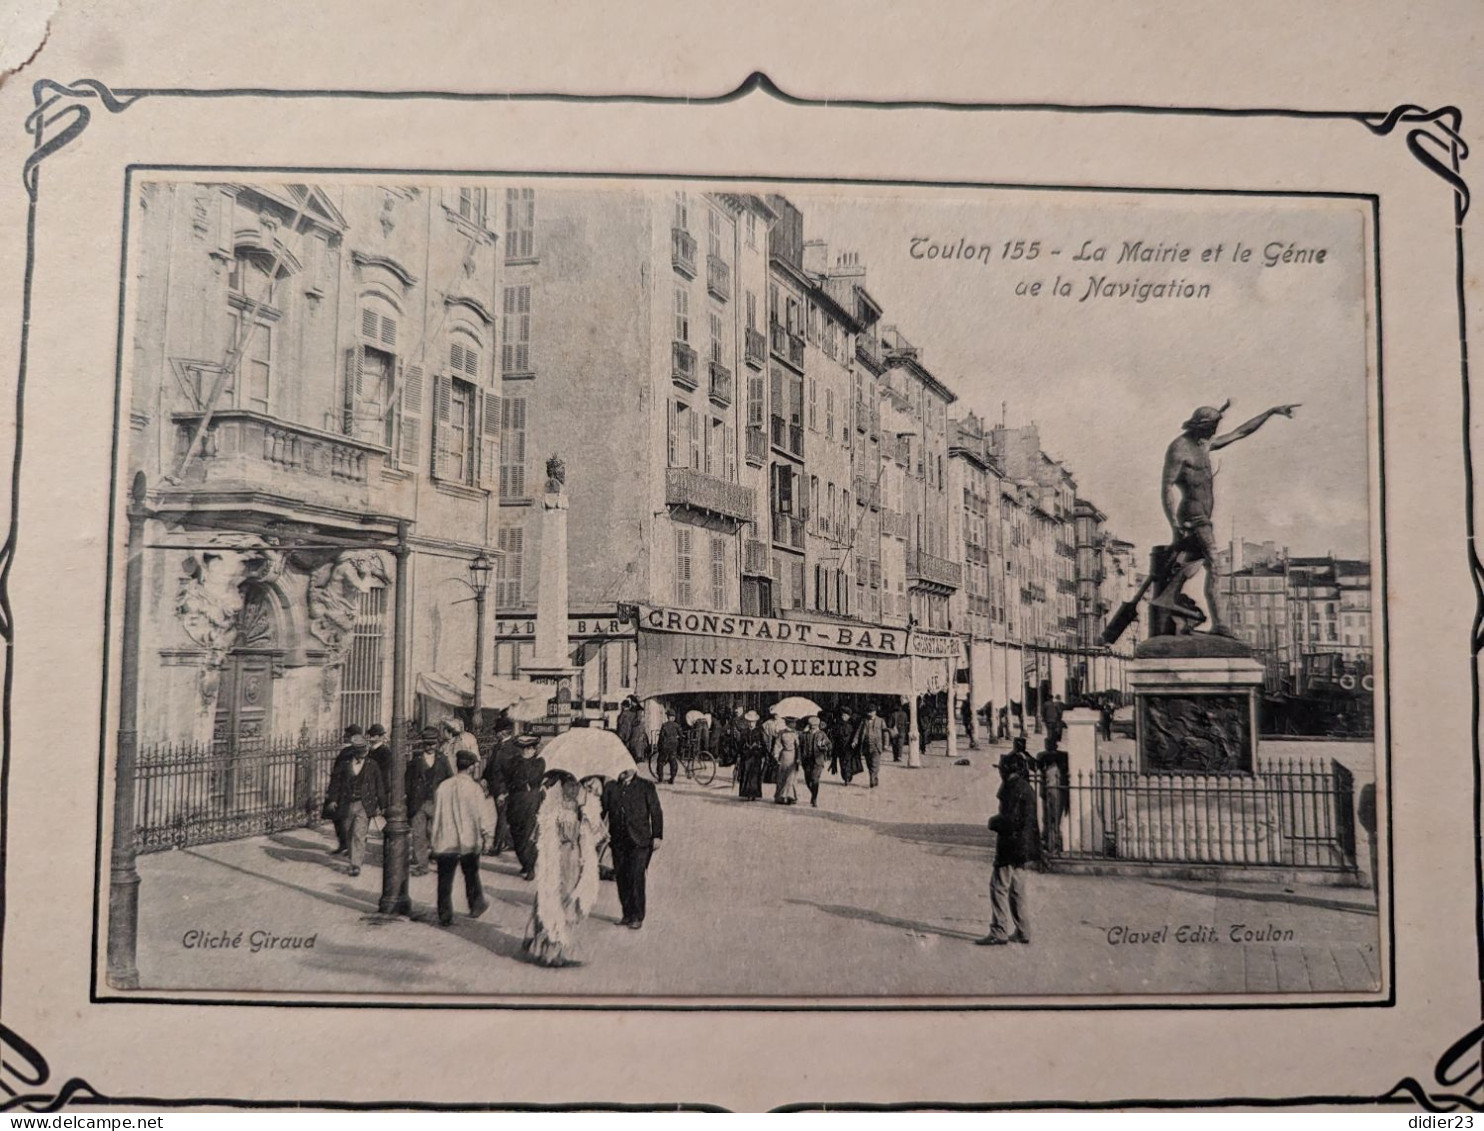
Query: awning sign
point(933, 645)
point(579, 625)
point(671, 662)
point(865, 638)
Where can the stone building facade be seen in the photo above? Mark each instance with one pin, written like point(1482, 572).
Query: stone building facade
point(312, 371)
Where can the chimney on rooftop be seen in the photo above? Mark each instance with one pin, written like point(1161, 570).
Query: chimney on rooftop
point(816, 256)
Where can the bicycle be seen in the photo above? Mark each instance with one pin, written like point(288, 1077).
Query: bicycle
point(695, 760)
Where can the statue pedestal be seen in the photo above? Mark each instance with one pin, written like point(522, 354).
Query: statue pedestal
point(1195, 704)
point(552, 663)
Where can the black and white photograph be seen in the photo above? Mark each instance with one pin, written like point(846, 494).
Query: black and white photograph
point(537, 588)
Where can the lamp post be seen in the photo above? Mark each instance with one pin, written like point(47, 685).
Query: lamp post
point(479, 581)
point(394, 898)
point(123, 885)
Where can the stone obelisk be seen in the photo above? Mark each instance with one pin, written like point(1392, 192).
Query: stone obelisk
point(552, 662)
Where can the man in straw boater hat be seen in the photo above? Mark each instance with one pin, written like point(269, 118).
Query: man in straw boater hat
point(1187, 492)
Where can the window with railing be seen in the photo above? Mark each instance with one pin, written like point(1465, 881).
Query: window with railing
point(361, 674)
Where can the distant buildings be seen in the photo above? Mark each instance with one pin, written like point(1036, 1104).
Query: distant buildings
point(1307, 618)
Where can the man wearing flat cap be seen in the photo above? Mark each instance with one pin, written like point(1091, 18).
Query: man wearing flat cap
point(1017, 845)
point(1187, 491)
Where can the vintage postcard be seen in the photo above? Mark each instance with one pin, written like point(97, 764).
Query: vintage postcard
point(744, 569)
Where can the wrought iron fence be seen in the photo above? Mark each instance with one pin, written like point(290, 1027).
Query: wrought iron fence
point(189, 793)
point(1291, 813)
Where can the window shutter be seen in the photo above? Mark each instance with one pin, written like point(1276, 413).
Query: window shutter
point(695, 440)
point(442, 399)
point(352, 388)
point(412, 418)
point(683, 566)
point(731, 446)
point(718, 573)
point(489, 442)
point(388, 332)
point(672, 437)
point(514, 453)
point(368, 324)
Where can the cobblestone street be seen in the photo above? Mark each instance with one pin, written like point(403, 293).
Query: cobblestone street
point(877, 892)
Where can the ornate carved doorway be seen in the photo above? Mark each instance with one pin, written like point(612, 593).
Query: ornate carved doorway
point(244, 707)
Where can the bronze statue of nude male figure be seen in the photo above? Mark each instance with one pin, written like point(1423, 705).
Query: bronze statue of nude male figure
point(1188, 495)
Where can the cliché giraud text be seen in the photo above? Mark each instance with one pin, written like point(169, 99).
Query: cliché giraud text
point(1123, 935)
point(1095, 284)
point(254, 942)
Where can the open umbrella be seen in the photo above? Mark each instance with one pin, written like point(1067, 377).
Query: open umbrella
point(588, 752)
point(794, 707)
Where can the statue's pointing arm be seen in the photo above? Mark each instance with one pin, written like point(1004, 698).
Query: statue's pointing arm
point(1244, 430)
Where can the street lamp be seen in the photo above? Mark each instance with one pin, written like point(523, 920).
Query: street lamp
point(480, 569)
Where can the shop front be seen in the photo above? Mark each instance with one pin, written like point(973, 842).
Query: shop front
point(720, 662)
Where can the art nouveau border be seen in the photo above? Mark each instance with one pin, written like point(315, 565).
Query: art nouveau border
point(63, 112)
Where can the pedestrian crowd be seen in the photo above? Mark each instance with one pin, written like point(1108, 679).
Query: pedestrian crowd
point(462, 805)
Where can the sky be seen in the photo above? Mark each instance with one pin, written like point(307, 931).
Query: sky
point(1109, 380)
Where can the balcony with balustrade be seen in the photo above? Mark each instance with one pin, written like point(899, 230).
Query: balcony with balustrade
point(788, 438)
point(246, 453)
point(708, 494)
point(796, 351)
point(786, 345)
point(721, 384)
point(683, 252)
point(683, 365)
point(757, 446)
point(719, 277)
point(788, 531)
point(757, 559)
point(755, 348)
point(927, 571)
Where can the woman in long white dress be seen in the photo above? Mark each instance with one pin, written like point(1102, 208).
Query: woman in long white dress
point(786, 754)
point(568, 829)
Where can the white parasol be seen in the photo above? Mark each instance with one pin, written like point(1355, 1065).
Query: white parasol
point(794, 707)
point(587, 752)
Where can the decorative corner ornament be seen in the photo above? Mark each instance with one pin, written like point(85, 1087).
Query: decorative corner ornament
point(70, 119)
point(1436, 141)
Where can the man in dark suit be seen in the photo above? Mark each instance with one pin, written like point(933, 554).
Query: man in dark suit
point(635, 827)
point(507, 752)
point(1017, 846)
point(381, 753)
point(355, 739)
point(360, 796)
point(427, 770)
point(669, 748)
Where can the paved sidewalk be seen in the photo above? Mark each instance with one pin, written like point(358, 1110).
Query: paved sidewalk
point(877, 892)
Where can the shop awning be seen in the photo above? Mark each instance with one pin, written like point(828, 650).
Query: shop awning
point(523, 698)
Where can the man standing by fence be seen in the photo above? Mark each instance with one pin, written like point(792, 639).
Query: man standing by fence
point(1017, 845)
point(359, 795)
point(355, 739)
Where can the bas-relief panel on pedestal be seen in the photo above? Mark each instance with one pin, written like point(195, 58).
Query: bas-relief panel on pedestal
point(1205, 734)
